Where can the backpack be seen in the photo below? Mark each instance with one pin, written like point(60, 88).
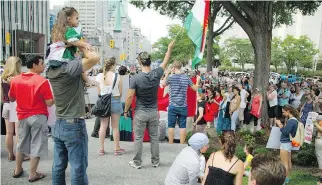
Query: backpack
point(298, 140)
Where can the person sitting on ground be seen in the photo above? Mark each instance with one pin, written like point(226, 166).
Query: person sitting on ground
point(223, 167)
point(249, 157)
point(186, 167)
point(266, 170)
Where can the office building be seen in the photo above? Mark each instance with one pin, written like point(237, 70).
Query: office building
point(24, 28)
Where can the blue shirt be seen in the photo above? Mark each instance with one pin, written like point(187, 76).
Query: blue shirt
point(178, 85)
point(284, 101)
point(290, 128)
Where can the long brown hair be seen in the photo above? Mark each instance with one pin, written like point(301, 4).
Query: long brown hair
point(108, 63)
point(12, 68)
point(228, 142)
point(293, 111)
point(60, 26)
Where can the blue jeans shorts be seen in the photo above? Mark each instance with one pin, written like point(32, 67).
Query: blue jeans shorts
point(179, 113)
point(286, 146)
point(116, 106)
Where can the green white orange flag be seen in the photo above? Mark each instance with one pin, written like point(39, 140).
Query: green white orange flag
point(196, 24)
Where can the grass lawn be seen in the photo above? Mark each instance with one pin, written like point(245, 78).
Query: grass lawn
point(298, 177)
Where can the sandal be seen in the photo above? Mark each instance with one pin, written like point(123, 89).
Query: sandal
point(37, 177)
point(119, 152)
point(101, 152)
point(11, 158)
point(17, 175)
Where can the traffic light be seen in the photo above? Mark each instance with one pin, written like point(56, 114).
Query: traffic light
point(111, 43)
point(8, 38)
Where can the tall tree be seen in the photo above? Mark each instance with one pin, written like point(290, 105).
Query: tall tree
point(298, 52)
point(239, 49)
point(257, 19)
point(180, 9)
point(277, 53)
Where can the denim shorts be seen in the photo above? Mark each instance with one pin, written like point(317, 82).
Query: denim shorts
point(179, 113)
point(286, 146)
point(116, 106)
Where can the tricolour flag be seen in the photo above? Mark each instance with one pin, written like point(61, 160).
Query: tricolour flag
point(196, 24)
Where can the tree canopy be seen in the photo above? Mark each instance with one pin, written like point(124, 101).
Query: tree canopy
point(240, 50)
point(184, 49)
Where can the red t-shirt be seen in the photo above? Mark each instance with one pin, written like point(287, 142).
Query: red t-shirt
point(30, 91)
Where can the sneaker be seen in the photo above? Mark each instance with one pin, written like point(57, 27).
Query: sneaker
point(287, 180)
point(155, 165)
point(132, 164)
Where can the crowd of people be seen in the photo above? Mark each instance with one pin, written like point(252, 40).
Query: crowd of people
point(221, 102)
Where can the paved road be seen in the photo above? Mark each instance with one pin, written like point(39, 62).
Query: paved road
point(102, 170)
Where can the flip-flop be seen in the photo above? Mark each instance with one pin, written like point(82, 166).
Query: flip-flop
point(37, 177)
point(17, 175)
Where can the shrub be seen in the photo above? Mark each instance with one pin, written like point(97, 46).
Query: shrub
point(305, 156)
point(240, 152)
point(189, 134)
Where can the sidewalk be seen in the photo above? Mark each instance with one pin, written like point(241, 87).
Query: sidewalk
point(102, 170)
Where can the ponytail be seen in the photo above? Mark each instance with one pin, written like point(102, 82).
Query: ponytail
point(228, 144)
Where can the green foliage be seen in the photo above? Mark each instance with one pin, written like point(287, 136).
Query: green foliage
point(305, 156)
point(240, 152)
point(229, 68)
point(277, 57)
point(298, 52)
point(239, 49)
point(189, 134)
point(183, 50)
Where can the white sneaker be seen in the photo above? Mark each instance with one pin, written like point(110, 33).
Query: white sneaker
point(132, 164)
point(156, 165)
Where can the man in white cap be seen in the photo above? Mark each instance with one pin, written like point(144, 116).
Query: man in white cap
point(186, 167)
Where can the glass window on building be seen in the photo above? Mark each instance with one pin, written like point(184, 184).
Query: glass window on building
point(25, 46)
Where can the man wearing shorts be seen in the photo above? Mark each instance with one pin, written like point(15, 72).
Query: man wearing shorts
point(33, 94)
point(178, 85)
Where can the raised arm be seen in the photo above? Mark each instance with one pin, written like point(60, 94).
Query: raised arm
point(166, 59)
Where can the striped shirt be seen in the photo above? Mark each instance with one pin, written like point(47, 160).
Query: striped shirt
point(178, 84)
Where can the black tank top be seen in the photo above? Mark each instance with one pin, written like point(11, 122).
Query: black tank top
point(218, 176)
point(5, 88)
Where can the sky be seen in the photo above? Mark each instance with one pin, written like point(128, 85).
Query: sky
point(154, 25)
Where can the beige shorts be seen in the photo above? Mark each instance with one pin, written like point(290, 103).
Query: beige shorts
point(33, 136)
point(6, 110)
point(241, 114)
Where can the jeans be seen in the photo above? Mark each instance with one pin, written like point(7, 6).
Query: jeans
point(70, 145)
point(142, 120)
point(234, 119)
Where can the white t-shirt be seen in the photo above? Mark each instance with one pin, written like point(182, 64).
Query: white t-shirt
point(296, 100)
point(243, 94)
point(273, 102)
point(106, 89)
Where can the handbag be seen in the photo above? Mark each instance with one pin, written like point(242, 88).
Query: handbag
point(102, 108)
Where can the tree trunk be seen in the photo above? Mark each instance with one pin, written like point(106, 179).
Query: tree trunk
point(243, 67)
point(210, 42)
point(262, 43)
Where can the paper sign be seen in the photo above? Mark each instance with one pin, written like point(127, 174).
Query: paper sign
point(125, 86)
point(308, 132)
point(274, 139)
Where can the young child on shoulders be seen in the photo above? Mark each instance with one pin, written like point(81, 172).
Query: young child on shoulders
point(67, 39)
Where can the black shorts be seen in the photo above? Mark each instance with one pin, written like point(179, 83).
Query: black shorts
point(279, 112)
point(272, 111)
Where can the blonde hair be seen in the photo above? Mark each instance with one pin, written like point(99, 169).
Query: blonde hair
point(177, 65)
point(60, 26)
point(108, 63)
point(12, 68)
